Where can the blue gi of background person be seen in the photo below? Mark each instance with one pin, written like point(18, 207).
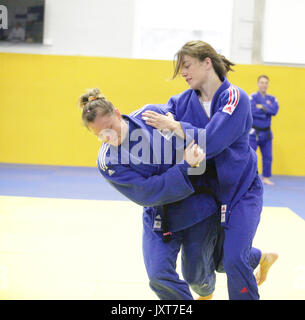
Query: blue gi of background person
point(263, 107)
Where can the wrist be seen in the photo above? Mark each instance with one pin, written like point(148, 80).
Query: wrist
point(174, 125)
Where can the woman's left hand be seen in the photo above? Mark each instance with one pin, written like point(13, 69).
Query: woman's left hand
point(159, 121)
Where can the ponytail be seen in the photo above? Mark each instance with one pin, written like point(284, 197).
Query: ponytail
point(227, 63)
point(201, 50)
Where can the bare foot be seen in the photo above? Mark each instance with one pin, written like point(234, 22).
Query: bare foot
point(209, 297)
point(266, 261)
point(268, 181)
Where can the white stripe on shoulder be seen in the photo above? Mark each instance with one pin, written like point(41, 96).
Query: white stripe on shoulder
point(234, 93)
point(137, 112)
point(236, 96)
point(233, 100)
point(102, 158)
point(134, 113)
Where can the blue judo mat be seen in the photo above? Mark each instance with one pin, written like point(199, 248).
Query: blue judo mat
point(87, 183)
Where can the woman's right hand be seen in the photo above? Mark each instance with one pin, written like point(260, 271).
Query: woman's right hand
point(193, 154)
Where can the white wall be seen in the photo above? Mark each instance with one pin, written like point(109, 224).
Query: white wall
point(242, 31)
point(78, 27)
point(163, 26)
point(118, 28)
point(284, 29)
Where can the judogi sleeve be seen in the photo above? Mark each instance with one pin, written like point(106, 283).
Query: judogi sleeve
point(171, 106)
point(271, 108)
point(227, 124)
point(171, 186)
point(256, 113)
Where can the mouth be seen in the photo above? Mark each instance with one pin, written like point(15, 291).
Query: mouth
point(188, 80)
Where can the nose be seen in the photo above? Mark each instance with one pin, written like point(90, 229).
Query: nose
point(183, 74)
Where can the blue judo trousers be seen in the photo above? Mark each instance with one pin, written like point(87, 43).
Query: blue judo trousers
point(240, 258)
point(261, 135)
point(197, 244)
point(263, 140)
point(201, 252)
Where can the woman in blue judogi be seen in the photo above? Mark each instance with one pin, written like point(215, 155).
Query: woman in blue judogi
point(224, 111)
point(264, 107)
point(128, 162)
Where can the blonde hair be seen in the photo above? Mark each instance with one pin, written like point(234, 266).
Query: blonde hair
point(201, 50)
point(94, 103)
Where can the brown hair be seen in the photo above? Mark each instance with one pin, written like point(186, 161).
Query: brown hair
point(262, 76)
point(94, 103)
point(201, 50)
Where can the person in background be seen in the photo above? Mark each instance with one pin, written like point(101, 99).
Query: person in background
point(17, 33)
point(263, 107)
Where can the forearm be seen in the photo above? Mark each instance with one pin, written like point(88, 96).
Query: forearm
point(177, 129)
point(271, 109)
point(171, 186)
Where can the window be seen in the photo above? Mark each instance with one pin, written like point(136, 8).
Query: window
point(283, 36)
point(163, 26)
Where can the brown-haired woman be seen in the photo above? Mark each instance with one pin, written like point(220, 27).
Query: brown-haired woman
point(223, 110)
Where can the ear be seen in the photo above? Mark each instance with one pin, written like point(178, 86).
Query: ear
point(208, 62)
point(118, 113)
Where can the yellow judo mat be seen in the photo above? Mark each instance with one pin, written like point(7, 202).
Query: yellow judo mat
point(91, 249)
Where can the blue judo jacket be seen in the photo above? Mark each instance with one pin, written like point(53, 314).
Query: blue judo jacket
point(262, 117)
point(151, 184)
point(227, 136)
